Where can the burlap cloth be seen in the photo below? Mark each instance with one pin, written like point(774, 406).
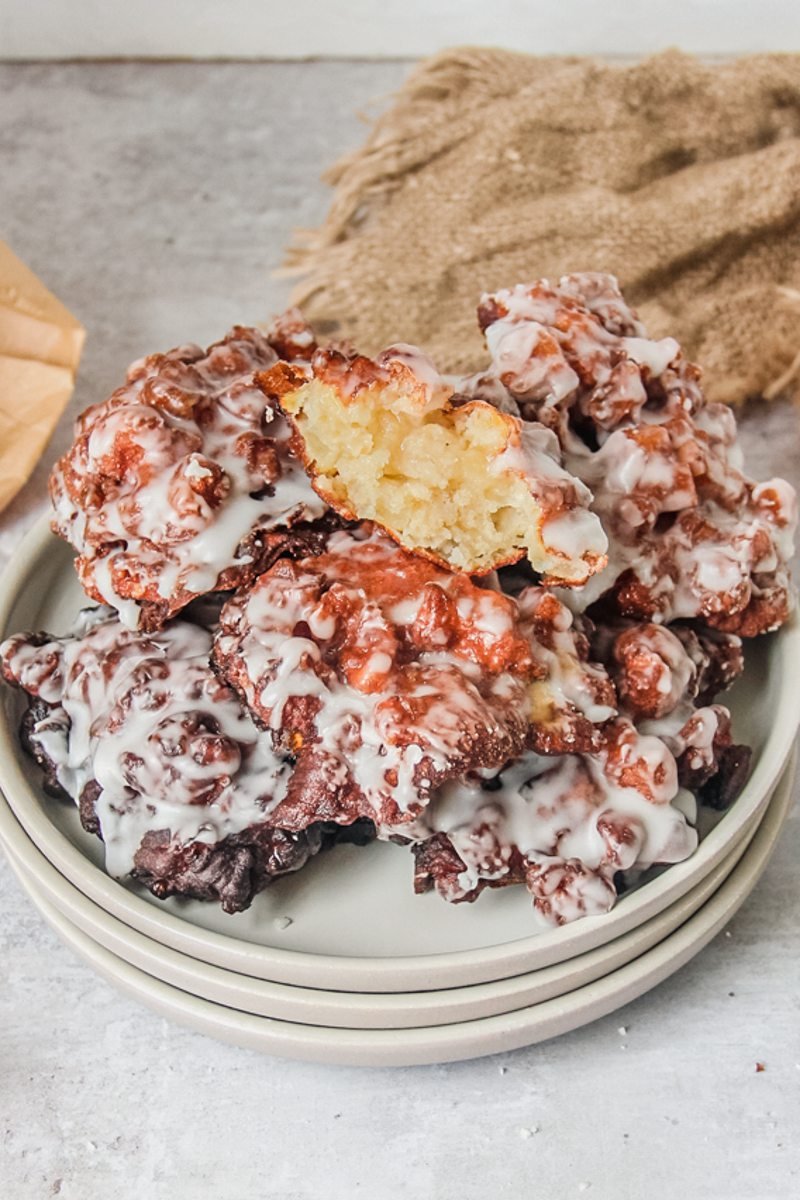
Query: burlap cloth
point(493, 168)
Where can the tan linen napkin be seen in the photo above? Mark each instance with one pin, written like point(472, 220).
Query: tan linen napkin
point(493, 168)
point(40, 347)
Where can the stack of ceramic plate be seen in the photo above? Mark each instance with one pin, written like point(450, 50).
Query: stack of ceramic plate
point(342, 962)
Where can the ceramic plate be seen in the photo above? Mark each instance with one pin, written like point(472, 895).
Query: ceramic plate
point(355, 923)
point(444, 1043)
point(389, 1010)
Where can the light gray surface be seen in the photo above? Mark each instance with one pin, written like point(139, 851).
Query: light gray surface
point(154, 201)
point(305, 28)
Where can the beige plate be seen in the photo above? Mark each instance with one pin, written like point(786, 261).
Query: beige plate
point(356, 924)
point(346, 1010)
point(443, 1043)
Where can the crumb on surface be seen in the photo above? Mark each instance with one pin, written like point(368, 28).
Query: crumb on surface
point(528, 1131)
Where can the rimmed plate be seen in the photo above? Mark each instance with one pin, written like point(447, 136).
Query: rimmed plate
point(393, 1010)
point(355, 923)
point(444, 1043)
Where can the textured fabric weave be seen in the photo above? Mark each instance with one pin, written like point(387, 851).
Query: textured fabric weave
point(493, 168)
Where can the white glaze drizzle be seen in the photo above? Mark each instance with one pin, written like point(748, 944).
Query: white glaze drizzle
point(119, 702)
point(156, 523)
point(357, 726)
point(555, 813)
point(577, 347)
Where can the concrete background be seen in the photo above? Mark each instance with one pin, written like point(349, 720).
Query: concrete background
point(389, 29)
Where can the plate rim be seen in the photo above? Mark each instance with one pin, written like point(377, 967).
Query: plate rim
point(348, 1009)
point(421, 972)
point(447, 1043)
